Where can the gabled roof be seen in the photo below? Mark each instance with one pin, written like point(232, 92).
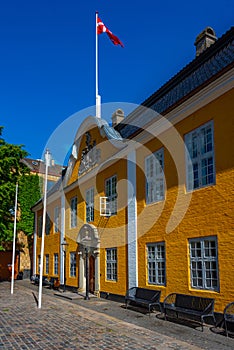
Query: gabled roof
point(38, 166)
point(205, 68)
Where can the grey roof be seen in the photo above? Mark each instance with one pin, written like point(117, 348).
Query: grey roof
point(218, 58)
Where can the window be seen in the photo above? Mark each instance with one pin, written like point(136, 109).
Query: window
point(39, 226)
point(154, 169)
point(111, 194)
point(48, 225)
point(56, 219)
point(39, 263)
point(47, 264)
point(111, 264)
point(200, 157)
point(204, 263)
point(55, 264)
point(156, 263)
point(73, 264)
point(90, 205)
point(74, 212)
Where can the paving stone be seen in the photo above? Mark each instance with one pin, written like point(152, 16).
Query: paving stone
point(96, 324)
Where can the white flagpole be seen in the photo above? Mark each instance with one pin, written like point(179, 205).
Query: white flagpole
point(98, 97)
point(47, 163)
point(14, 238)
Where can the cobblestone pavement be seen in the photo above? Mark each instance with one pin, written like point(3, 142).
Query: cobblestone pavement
point(94, 324)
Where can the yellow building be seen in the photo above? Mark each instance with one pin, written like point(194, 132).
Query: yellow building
point(148, 201)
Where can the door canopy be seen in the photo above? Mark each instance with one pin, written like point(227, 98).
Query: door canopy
point(88, 236)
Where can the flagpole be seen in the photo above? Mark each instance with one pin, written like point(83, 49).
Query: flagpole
point(98, 97)
point(41, 267)
point(14, 238)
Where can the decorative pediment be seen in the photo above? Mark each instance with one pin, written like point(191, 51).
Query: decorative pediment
point(88, 236)
point(90, 155)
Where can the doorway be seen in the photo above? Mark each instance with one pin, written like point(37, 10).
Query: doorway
point(91, 274)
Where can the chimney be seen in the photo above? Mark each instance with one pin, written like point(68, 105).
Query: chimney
point(117, 117)
point(204, 40)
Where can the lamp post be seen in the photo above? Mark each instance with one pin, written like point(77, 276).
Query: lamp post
point(47, 164)
point(64, 245)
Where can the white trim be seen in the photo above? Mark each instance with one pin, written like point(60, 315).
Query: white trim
point(132, 222)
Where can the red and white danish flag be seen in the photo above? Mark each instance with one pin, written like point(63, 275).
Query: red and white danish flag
point(101, 28)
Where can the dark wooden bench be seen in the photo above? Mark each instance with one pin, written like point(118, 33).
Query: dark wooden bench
point(54, 283)
point(189, 307)
point(228, 315)
point(36, 280)
point(148, 298)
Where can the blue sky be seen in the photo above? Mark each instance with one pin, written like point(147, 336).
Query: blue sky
point(47, 70)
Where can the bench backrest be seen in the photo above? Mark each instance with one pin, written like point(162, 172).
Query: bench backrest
point(148, 294)
point(193, 302)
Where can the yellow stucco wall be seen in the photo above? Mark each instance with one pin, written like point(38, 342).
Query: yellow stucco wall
point(210, 212)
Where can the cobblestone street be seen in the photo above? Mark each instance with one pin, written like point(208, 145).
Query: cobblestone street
point(93, 324)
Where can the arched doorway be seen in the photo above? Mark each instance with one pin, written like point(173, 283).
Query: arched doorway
point(89, 246)
point(92, 274)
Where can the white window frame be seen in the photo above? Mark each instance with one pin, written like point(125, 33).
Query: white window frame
point(90, 205)
point(47, 260)
point(200, 157)
point(111, 193)
point(156, 263)
point(104, 207)
point(111, 264)
point(72, 264)
point(204, 272)
point(73, 212)
point(56, 219)
point(56, 264)
point(154, 171)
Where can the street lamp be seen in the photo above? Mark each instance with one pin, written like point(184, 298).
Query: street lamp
point(86, 242)
point(64, 245)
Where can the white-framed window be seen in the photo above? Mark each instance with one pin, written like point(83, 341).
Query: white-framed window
point(56, 219)
point(156, 263)
point(90, 205)
point(47, 257)
point(111, 264)
point(39, 263)
point(111, 194)
point(73, 207)
point(73, 264)
point(154, 170)
point(200, 164)
point(56, 264)
point(204, 263)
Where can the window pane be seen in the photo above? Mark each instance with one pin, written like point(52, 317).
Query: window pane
point(111, 264)
point(204, 267)
point(156, 263)
point(199, 144)
point(154, 168)
point(110, 191)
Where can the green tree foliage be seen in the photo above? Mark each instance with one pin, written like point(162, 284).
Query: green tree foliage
point(29, 194)
point(11, 170)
